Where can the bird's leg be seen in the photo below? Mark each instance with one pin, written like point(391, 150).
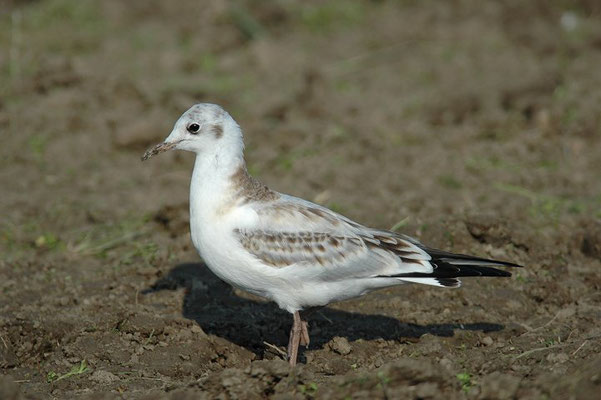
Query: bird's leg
point(295, 338)
point(304, 335)
point(305, 340)
point(299, 334)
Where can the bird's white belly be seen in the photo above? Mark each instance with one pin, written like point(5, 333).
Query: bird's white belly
point(298, 294)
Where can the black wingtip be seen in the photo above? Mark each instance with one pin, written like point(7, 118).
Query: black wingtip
point(449, 282)
point(448, 266)
point(463, 259)
point(445, 271)
point(505, 264)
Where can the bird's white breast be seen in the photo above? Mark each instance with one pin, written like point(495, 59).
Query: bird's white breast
point(213, 236)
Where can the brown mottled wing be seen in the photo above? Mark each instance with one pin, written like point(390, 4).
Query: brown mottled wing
point(295, 232)
point(292, 233)
point(281, 249)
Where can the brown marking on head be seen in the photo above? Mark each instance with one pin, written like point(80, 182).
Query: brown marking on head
point(217, 131)
point(321, 248)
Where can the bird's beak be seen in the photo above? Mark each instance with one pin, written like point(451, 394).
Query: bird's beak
point(159, 148)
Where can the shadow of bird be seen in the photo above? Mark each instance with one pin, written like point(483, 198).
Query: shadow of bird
point(213, 304)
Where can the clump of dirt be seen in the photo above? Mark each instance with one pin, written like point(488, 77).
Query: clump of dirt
point(591, 239)
point(471, 126)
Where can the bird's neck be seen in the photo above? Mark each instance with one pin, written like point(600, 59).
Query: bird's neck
point(218, 188)
point(211, 180)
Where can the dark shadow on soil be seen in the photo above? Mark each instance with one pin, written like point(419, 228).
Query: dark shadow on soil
point(214, 306)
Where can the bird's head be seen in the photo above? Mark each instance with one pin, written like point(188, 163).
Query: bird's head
point(204, 128)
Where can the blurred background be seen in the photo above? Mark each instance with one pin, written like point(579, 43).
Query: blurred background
point(474, 126)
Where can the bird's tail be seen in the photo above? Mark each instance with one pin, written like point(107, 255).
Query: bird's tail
point(448, 267)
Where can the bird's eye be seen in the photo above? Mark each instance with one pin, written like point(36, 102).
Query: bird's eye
point(193, 128)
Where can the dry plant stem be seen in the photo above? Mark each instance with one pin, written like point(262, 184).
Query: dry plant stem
point(276, 349)
point(527, 353)
point(532, 330)
point(4, 342)
point(580, 347)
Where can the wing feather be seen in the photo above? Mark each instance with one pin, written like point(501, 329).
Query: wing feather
point(295, 232)
point(282, 249)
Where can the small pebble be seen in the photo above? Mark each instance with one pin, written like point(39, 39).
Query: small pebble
point(103, 376)
point(340, 345)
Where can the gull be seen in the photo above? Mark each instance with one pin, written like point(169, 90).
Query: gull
point(296, 253)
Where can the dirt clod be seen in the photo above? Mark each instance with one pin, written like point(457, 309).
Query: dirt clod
point(340, 345)
point(103, 377)
point(487, 341)
point(499, 386)
point(9, 389)
point(591, 241)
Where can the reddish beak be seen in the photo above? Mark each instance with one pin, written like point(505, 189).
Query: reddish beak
point(159, 148)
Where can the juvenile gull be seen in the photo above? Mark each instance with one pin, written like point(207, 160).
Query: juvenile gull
point(299, 254)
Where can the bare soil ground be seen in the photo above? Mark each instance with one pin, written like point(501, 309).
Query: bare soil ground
point(473, 126)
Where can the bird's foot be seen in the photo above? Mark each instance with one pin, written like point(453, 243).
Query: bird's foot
point(304, 338)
